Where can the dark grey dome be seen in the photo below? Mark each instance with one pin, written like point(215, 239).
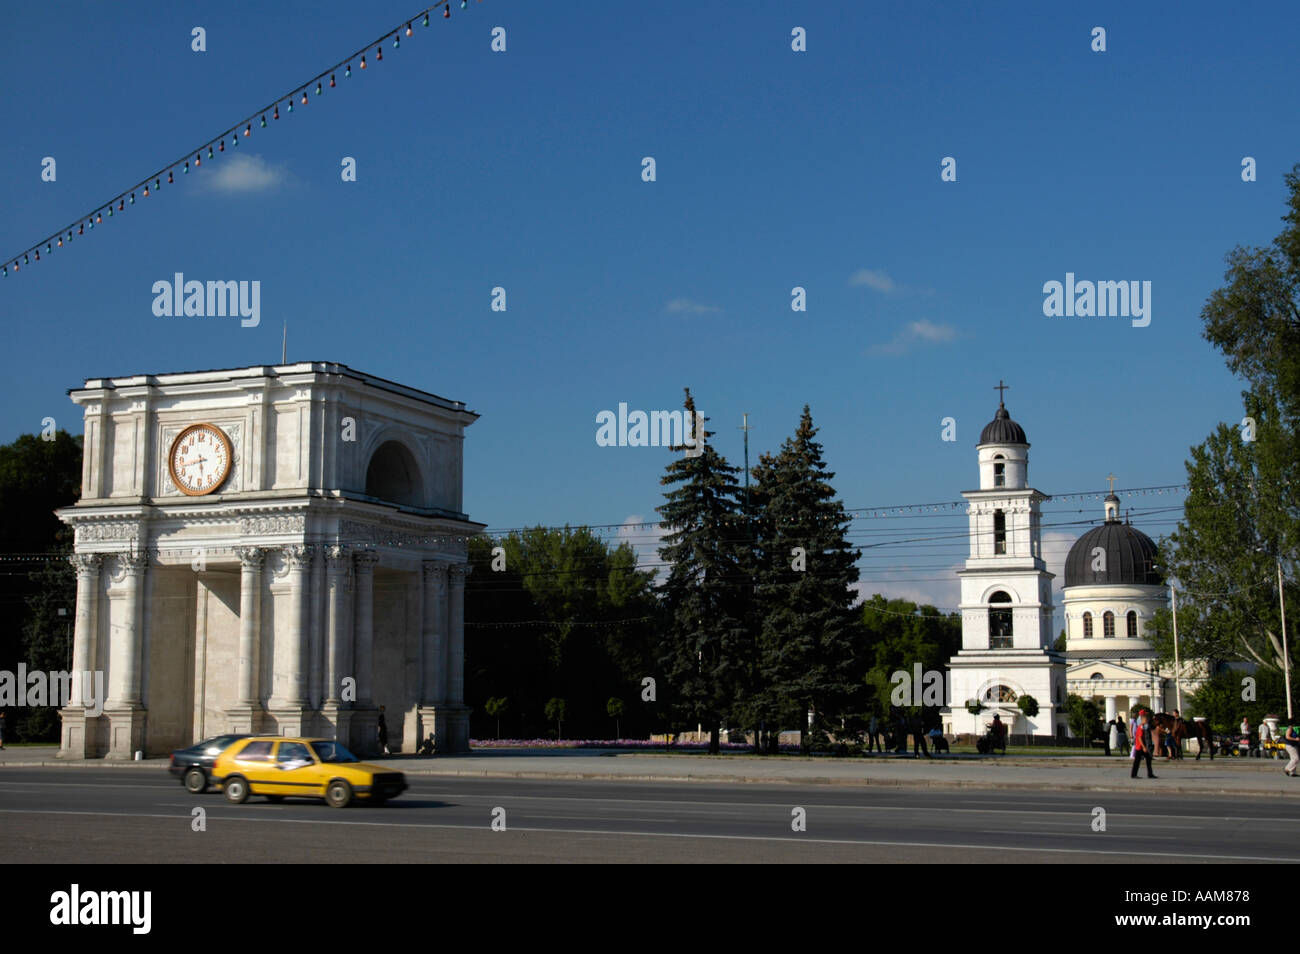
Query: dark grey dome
point(1130, 557)
point(1002, 430)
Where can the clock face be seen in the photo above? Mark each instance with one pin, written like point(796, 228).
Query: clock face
point(200, 459)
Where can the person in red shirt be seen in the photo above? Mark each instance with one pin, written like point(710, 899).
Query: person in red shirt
point(1143, 744)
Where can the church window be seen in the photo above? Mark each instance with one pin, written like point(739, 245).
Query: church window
point(1000, 628)
point(1087, 625)
point(1108, 623)
point(999, 532)
point(999, 472)
point(1132, 623)
point(1000, 694)
point(1096, 675)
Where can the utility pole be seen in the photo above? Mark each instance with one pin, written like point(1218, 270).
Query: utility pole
point(1178, 669)
point(746, 428)
point(1286, 655)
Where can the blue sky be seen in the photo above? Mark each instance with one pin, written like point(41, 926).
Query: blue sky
point(775, 169)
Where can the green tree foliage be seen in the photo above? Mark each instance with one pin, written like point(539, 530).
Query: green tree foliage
point(555, 711)
point(614, 709)
point(810, 636)
point(898, 634)
point(1084, 717)
point(569, 616)
point(1219, 699)
point(1028, 705)
point(707, 653)
point(36, 478)
point(1243, 511)
point(496, 707)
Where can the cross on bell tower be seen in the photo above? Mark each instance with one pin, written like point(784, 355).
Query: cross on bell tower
point(1001, 388)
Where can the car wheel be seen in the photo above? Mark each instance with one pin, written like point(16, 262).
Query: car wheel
point(338, 794)
point(236, 789)
point(275, 798)
point(196, 781)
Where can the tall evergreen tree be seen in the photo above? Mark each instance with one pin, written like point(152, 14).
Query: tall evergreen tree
point(706, 646)
point(810, 647)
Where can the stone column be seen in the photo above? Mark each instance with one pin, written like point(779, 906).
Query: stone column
point(433, 636)
point(125, 710)
point(335, 710)
point(316, 629)
point(338, 651)
point(433, 654)
point(364, 635)
point(365, 718)
point(457, 714)
point(290, 645)
point(85, 633)
point(79, 717)
point(1110, 708)
point(251, 560)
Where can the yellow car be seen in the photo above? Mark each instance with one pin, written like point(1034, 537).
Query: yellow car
point(277, 767)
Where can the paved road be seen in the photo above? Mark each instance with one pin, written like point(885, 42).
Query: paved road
point(90, 815)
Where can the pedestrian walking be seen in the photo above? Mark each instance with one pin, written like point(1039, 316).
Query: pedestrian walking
point(1292, 742)
point(875, 740)
point(1112, 735)
point(1143, 745)
point(918, 737)
point(383, 732)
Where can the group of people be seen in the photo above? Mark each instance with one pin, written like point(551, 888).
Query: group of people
point(900, 725)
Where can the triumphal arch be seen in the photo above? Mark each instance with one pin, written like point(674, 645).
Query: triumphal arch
point(268, 549)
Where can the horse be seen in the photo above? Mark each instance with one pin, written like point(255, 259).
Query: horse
point(1181, 730)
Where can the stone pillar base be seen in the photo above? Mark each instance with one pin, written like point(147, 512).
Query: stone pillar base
point(126, 732)
point(427, 723)
point(245, 720)
point(290, 720)
point(336, 722)
point(451, 728)
point(79, 734)
point(363, 737)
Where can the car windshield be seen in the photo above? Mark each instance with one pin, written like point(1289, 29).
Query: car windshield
point(332, 752)
point(213, 745)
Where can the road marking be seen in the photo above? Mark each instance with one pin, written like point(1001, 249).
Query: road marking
point(788, 839)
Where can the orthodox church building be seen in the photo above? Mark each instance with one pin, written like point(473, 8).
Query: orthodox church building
point(1112, 589)
point(1006, 598)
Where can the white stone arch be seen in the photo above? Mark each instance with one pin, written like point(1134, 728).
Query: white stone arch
point(995, 681)
point(1005, 588)
point(413, 458)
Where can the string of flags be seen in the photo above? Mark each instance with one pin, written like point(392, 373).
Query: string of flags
point(212, 148)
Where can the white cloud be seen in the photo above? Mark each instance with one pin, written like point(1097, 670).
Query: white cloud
point(243, 173)
point(874, 279)
point(916, 333)
point(684, 306)
point(644, 540)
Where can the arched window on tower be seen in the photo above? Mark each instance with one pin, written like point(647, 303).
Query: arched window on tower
point(1087, 626)
point(999, 471)
point(1000, 628)
point(999, 532)
point(1132, 623)
point(1108, 623)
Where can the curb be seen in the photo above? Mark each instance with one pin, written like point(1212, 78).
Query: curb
point(860, 782)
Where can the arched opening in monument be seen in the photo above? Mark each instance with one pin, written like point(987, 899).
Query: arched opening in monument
point(1000, 632)
point(393, 476)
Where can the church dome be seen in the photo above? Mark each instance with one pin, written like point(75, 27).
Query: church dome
point(1002, 430)
point(1130, 557)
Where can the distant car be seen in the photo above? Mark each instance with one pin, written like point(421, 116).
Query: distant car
point(193, 765)
point(279, 767)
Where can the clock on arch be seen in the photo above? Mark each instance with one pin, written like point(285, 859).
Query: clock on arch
point(200, 459)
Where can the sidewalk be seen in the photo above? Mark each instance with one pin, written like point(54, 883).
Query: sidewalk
point(1224, 776)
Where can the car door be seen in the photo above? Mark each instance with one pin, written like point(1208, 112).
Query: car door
point(295, 771)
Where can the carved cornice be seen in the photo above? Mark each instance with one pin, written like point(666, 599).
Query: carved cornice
point(366, 560)
point(459, 571)
point(284, 523)
point(108, 531)
point(299, 557)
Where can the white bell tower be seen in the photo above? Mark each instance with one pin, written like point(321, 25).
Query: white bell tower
point(1006, 597)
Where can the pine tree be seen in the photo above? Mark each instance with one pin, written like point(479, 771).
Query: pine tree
point(706, 652)
point(811, 654)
